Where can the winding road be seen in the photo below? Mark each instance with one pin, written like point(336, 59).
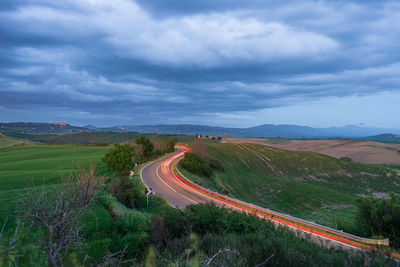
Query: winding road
point(161, 180)
point(164, 179)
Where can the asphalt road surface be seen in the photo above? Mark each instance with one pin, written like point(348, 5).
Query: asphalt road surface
point(154, 176)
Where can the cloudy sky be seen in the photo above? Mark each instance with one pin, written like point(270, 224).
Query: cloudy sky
point(226, 62)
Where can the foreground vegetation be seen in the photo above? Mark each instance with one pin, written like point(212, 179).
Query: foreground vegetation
point(118, 228)
point(380, 217)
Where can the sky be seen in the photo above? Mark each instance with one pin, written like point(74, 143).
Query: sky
point(229, 62)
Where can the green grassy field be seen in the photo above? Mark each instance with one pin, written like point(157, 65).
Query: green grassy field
point(6, 141)
point(304, 184)
point(37, 164)
point(92, 137)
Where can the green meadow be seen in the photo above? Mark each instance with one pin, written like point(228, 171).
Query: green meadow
point(6, 141)
point(22, 166)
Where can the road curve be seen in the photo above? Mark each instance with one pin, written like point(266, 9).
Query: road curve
point(162, 178)
point(155, 176)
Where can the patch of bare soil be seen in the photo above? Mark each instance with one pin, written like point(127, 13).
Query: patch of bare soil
point(381, 195)
point(369, 152)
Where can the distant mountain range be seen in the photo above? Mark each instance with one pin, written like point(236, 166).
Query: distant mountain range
point(39, 127)
point(266, 130)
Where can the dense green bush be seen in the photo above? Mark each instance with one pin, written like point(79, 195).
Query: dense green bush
point(126, 190)
point(216, 165)
point(147, 149)
point(134, 221)
point(147, 145)
point(170, 143)
point(133, 226)
point(106, 199)
point(119, 158)
point(249, 239)
point(348, 159)
point(196, 165)
point(380, 217)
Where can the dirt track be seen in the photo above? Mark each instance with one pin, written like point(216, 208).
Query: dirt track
point(361, 151)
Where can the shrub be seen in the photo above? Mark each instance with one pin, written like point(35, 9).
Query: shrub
point(106, 200)
point(380, 217)
point(200, 149)
point(127, 191)
point(119, 158)
point(347, 159)
point(147, 145)
point(134, 221)
point(171, 142)
point(196, 165)
point(158, 232)
point(216, 165)
point(97, 248)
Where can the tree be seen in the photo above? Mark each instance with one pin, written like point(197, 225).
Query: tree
point(57, 213)
point(199, 148)
point(159, 146)
point(380, 217)
point(171, 142)
point(119, 158)
point(147, 145)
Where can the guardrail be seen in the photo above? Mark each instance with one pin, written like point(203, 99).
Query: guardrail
point(369, 241)
point(353, 240)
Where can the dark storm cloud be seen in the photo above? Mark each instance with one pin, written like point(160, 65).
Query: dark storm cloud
point(178, 7)
point(140, 62)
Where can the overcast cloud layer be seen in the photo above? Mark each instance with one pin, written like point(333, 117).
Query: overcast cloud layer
point(228, 63)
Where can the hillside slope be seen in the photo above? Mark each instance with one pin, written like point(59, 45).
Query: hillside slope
point(369, 152)
point(39, 127)
point(91, 137)
point(38, 164)
point(6, 141)
point(305, 184)
point(390, 138)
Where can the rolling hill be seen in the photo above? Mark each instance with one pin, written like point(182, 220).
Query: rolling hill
point(6, 141)
point(39, 127)
point(392, 138)
point(37, 164)
point(305, 184)
point(363, 151)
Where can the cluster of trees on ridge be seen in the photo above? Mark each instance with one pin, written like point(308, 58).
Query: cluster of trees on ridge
point(122, 157)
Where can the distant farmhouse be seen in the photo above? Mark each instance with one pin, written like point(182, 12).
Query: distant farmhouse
point(209, 137)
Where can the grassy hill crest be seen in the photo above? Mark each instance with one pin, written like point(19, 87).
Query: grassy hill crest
point(306, 184)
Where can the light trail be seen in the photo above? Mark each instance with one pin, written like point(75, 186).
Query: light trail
point(319, 230)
